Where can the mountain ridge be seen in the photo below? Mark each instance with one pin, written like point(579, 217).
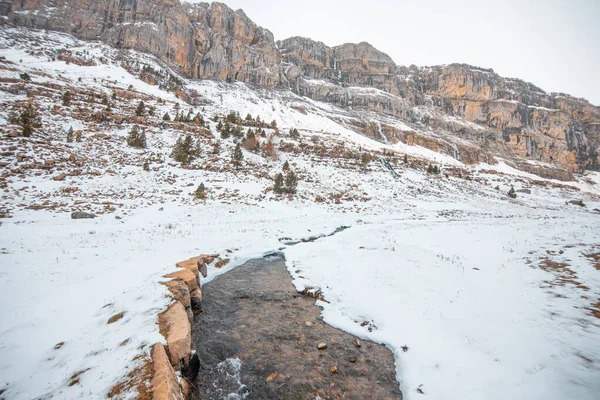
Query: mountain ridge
point(512, 118)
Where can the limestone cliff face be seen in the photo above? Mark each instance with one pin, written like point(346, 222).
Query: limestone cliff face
point(506, 117)
point(199, 41)
point(517, 117)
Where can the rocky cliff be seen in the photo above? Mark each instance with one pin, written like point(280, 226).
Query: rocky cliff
point(511, 118)
point(199, 41)
point(498, 116)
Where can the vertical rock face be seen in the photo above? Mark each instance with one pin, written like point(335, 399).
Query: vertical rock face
point(200, 41)
point(212, 41)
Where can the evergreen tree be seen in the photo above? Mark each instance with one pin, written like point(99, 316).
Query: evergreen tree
point(294, 133)
point(70, 135)
point(141, 108)
point(136, 138)
point(366, 159)
point(278, 186)
point(291, 182)
point(430, 169)
point(185, 150)
point(200, 192)
point(219, 126)
point(166, 117)
point(512, 193)
point(237, 156)
point(286, 166)
point(226, 131)
point(66, 98)
point(249, 117)
point(28, 120)
point(274, 124)
point(405, 159)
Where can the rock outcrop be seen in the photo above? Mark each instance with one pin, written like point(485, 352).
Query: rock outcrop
point(505, 117)
point(511, 117)
point(199, 41)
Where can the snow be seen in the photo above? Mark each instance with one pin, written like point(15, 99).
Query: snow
point(407, 262)
point(466, 297)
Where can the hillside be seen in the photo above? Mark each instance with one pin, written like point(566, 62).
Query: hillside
point(477, 293)
point(469, 113)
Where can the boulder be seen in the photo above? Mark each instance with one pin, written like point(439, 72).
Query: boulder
point(192, 264)
point(164, 384)
point(82, 215)
point(180, 291)
point(196, 300)
point(190, 278)
point(176, 328)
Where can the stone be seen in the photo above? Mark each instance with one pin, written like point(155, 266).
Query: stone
point(190, 279)
point(60, 177)
point(180, 291)
point(196, 301)
point(333, 370)
point(191, 264)
point(322, 346)
point(524, 191)
point(82, 215)
point(176, 328)
point(164, 383)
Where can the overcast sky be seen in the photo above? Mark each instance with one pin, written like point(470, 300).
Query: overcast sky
point(553, 44)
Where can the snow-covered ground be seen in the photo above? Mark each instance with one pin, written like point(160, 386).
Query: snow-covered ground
point(449, 267)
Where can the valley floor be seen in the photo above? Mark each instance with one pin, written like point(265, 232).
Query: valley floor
point(465, 289)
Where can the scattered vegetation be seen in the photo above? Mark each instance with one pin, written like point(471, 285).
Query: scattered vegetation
point(137, 138)
point(186, 149)
point(28, 120)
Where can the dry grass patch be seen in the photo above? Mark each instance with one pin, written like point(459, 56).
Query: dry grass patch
point(137, 379)
point(75, 377)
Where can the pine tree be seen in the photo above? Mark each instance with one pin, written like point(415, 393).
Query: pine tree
point(166, 117)
point(512, 193)
point(430, 169)
point(219, 126)
point(237, 156)
point(185, 150)
point(28, 120)
point(141, 108)
point(291, 182)
point(278, 186)
point(70, 135)
point(249, 117)
point(366, 159)
point(136, 138)
point(200, 192)
point(66, 98)
point(405, 159)
point(226, 131)
point(286, 166)
point(274, 124)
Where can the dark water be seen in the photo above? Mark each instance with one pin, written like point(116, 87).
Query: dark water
point(254, 342)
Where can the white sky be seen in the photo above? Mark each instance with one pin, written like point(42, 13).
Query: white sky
point(554, 44)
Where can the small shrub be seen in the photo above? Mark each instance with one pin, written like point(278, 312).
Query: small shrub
point(25, 76)
point(269, 150)
point(512, 193)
